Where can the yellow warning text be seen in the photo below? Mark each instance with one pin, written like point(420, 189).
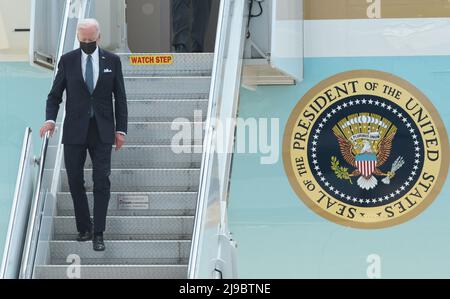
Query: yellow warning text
point(151, 59)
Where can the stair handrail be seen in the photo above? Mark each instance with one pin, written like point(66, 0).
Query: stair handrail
point(19, 211)
point(208, 146)
point(36, 205)
point(211, 176)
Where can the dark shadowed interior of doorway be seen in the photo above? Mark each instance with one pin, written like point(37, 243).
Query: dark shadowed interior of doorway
point(150, 26)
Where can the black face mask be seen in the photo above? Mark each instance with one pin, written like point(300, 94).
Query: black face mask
point(88, 48)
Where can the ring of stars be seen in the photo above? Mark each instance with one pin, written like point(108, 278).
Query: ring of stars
point(353, 199)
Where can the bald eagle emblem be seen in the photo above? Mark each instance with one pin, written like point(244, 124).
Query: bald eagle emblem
point(365, 142)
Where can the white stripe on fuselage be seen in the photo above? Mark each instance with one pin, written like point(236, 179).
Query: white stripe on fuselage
point(377, 37)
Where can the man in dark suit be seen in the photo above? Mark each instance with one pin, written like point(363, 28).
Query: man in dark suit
point(90, 76)
point(185, 32)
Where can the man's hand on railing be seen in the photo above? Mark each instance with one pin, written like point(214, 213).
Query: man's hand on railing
point(47, 127)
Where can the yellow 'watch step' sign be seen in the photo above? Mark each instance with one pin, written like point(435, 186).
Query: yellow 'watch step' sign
point(151, 59)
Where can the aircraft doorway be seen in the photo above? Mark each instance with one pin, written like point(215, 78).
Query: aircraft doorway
point(150, 25)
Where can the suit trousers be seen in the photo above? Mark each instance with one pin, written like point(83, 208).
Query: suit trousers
point(74, 159)
point(181, 23)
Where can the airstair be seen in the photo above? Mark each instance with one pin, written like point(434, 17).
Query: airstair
point(154, 183)
point(166, 215)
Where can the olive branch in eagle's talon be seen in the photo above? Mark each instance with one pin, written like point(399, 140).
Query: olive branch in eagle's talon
point(340, 172)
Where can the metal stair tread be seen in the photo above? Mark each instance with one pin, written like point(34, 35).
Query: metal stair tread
point(128, 237)
point(137, 192)
point(128, 262)
point(115, 271)
point(131, 100)
point(164, 122)
point(144, 169)
point(123, 241)
point(135, 217)
point(156, 203)
point(174, 250)
point(131, 227)
point(166, 110)
point(181, 265)
point(156, 146)
point(182, 63)
point(167, 87)
point(167, 77)
point(167, 100)
point(159, 204)
point(144, 180)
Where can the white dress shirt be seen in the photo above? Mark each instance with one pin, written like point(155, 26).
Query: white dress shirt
point(96, 69)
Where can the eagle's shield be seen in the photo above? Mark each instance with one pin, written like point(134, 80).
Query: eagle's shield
point(366, 164)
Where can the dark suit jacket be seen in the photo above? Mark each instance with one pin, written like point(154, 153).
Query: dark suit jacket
point(78, 99)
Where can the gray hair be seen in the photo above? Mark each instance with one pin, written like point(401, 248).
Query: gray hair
point(84, 23)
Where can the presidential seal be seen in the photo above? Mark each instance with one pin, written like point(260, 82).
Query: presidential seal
point(366, 149)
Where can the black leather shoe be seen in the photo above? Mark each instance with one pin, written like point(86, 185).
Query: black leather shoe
point(98, 243)
point(84, 237)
